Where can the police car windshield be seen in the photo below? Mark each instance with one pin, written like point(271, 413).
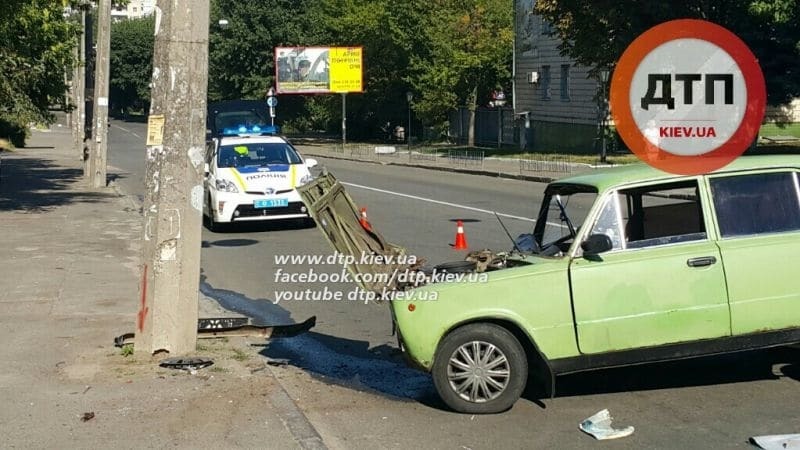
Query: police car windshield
point(257, 155)
point(234, 119)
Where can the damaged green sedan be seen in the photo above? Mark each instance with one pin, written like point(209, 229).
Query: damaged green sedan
point(624, 266)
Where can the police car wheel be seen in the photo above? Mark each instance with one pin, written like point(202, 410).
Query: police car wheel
point(212, 224)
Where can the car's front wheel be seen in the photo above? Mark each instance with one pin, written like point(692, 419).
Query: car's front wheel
point(213, 225)
point(480, 369)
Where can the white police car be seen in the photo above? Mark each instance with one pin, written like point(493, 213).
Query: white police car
point(251, 175)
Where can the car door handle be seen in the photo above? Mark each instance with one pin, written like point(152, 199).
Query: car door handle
point(701, 261)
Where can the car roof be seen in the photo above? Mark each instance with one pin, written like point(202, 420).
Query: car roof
point(606, 178)
point(258, 139)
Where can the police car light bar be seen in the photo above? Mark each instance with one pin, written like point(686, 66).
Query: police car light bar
point(250, 130)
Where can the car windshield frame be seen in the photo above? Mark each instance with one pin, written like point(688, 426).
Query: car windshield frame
point(558, 198)
point(257, 154)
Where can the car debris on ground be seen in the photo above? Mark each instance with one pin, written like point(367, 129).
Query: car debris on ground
point(599, 426)
point(777, 441)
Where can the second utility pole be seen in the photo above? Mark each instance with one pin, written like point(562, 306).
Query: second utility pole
point(99, 147)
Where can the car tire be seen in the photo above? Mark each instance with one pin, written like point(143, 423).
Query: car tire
point(212, 225)
point(455, 373)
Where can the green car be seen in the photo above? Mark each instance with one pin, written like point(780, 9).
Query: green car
point(624, 266)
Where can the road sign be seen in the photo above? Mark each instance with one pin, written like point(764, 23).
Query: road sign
point(688, 96)
point(272, 102)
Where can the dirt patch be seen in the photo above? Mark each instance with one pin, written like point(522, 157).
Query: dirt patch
point(232, 357)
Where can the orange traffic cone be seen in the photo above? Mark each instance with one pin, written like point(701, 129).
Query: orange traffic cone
point(363, 220)
point(461, 237)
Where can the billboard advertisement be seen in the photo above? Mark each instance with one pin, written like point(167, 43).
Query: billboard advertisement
point(319, 70)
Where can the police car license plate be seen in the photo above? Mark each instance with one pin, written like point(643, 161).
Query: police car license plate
point(271, 203)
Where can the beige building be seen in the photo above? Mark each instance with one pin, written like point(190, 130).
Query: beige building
point(553, 96)
point(133, 10)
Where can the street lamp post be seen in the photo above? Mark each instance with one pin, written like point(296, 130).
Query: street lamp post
point(603, 113)
point(409, 97)
point(272, 102)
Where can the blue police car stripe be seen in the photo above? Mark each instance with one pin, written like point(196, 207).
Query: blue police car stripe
point(271, 167)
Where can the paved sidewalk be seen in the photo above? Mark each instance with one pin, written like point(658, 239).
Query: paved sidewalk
point(543, 171)
point(69, 285)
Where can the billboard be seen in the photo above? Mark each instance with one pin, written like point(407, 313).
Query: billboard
point(319, 70)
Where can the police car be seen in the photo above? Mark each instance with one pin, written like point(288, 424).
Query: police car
point(251, 174)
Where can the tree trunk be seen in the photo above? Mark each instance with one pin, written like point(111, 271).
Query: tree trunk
point(472, 101)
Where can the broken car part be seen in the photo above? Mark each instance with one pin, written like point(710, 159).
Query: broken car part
point(186, 363)
point(236, 326)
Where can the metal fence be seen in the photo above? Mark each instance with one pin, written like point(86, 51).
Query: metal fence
point(494, 127)
point(465, 157)
point(423, 155)
point(546, 163)
point(368, 150)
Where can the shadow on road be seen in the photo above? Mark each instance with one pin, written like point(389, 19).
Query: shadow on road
point(335, 360)
point(353, 364)
point(229, 243)
point(262, 226)
point(770, 364)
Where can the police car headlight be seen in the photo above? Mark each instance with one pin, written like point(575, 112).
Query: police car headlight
point(306, 179)
point(226, 186)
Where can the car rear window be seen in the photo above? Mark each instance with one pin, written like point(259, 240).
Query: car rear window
point(757, 203)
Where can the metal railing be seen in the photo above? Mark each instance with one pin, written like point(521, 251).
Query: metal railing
point(465, 157)
point(423, 155)
point(546, 163)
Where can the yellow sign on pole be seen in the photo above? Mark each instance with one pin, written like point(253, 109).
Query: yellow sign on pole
point(346, 69)
point(155, 129)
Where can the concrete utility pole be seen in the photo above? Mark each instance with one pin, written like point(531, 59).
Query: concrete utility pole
point(99, 146)
point(79, 86)
point(173, 204)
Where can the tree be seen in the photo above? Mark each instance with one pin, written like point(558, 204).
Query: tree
point(388, 39)
point(33, 63)
point(406, 47)
point(131, 64)
point(468, 54)
point(446, 52)
point(241, 58)
point(241, 54)
point(596, 33)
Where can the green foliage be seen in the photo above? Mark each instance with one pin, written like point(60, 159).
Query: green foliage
point(127, 350)
point(469, 51)
point(131, 64)
point(444, 52)
point(440, 50)
point(33, 63)
point(596, 33)
point(241, 58)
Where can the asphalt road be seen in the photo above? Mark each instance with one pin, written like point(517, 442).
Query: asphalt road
point(347, 375)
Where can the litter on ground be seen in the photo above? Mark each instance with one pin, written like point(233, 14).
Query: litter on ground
point(599, 426)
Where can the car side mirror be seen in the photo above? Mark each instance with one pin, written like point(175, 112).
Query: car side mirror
point(596, 244)
point(311, 162)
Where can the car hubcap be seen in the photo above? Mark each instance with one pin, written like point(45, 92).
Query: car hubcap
point(478, 371)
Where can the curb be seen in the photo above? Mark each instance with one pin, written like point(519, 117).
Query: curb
point(293, 418)
point(533, 178)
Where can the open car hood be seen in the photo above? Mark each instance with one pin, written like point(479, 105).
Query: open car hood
point(374, 263)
